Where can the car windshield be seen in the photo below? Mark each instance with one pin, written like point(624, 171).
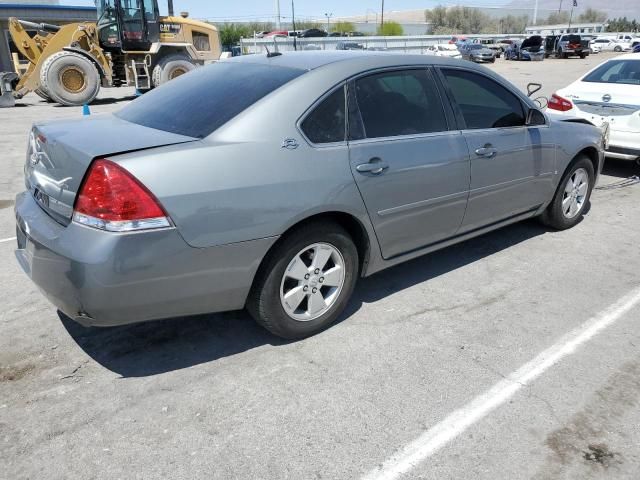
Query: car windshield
point(616, 71)
point(202, 101)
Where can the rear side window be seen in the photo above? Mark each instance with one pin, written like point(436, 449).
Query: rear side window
point(200, 102)
point(483, 102)
point(399, 103)
point(327, 122)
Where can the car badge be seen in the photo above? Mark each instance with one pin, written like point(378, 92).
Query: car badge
point(290, 143)
point(606, 97)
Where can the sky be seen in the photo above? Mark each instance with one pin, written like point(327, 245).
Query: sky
point(265, 9)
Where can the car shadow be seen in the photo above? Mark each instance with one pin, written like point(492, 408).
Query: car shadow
point(102, 101)
point(156, 347)
point(619, 168)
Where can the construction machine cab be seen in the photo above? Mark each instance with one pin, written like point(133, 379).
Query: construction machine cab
point(128, 25)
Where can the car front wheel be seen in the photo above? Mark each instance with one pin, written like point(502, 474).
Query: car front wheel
point(572, 197)
point(306, 281)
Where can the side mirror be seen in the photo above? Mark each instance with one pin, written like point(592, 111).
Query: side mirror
point(533, 88)
point(536, 117)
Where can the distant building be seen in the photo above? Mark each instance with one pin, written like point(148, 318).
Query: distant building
point(585, 28)
point(40, 11)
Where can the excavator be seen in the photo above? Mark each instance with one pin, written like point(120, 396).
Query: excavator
point(130, 44)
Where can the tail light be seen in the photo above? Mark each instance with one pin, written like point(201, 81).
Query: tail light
point(112, 199)
point(556, 102)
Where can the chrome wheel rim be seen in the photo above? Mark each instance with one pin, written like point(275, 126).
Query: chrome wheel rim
point(312, 282)
point(575, 193)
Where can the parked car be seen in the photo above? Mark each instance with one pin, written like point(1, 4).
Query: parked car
point(443, 50)
point(594, 48)
point(182, 203)
point(349, 46)
point(610, 93)
point(477, 53)
point(609, 45)
point(565, 46)
point(530, 48)
point(636, 49)
point(492, 44)
point(312, 33)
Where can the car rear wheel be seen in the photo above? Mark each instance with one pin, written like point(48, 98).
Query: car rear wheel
point(305, 283)
point(618, 49)
point(572, 197)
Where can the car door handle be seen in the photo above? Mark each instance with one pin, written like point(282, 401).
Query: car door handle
point(375, 166)
point(487, 151)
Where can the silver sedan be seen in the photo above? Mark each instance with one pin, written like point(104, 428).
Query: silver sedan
point(274, 182)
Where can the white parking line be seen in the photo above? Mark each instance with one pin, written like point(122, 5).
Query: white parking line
point(3, 240)
point(457, 422)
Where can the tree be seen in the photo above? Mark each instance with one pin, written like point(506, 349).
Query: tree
point(391, 29)
point(513, 24)
point(622, 24)
point(437, 17)
point(259, 27)
point(592, 15)
point(557, 18)
point(230, 33)
point(343, 27)
point(305, 25)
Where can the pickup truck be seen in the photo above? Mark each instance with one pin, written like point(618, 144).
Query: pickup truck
point(564, 46)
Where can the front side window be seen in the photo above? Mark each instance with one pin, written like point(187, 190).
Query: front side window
point(483, 102)
point(327, 122)
point(399, 103)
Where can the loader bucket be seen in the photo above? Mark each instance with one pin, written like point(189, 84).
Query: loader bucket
point(8, 80)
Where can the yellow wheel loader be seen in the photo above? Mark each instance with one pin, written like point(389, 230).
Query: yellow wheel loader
point(129, 45)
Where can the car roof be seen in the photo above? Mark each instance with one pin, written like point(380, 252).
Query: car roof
point(314, 59)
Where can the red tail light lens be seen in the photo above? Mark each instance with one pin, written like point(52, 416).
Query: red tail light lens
point(112, 199)
point(556, 102)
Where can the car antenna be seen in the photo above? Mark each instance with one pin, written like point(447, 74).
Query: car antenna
point(271, 54)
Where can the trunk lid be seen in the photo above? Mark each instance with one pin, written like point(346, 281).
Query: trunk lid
point(616, 104)
point(59, 153)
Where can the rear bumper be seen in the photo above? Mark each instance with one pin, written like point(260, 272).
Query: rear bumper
point(104, 279)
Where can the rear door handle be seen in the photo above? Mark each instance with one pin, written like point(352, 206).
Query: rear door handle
point(487, 151)
point(375, 166)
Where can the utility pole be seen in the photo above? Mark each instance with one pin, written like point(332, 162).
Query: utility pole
point(535, 13)
point(560, 7)
point(382, 18)
point(278, 26)
point(571, 16)
point(293, 25)
point(328, 15)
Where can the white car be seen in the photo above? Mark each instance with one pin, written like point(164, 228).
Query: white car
point(444, 50)
point(609, 93)
point(610, 45)
point(595, 47)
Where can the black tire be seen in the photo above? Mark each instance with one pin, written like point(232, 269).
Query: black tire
point(554, 216)
point(170, 67)
point(70, 79)
point(617, 49)
point(264, 302)
point(43, 95)
point(582, 55)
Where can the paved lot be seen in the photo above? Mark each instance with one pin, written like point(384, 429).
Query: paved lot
point(217, 397)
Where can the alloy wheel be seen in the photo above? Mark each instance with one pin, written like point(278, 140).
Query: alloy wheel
point(575, 193)
point(312, 282)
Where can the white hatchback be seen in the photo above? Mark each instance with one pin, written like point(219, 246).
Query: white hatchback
point(609, 93)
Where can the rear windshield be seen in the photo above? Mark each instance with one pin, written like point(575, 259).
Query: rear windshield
point(202, 101)
point(571, 38)
point(616, 71)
